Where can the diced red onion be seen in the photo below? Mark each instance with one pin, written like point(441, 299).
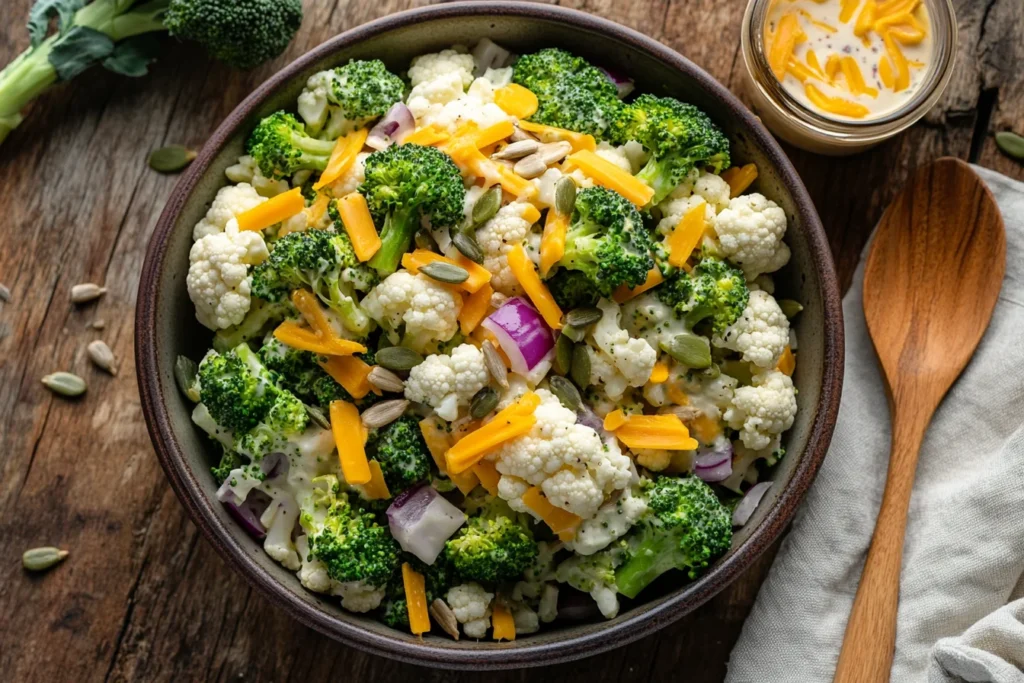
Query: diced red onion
point(275, 465)
point(750, 501)
point(395, 125)
point(714, 464)
point(247, 514)
point(522, 334)
point(489, 55)
point(622, 83)
point(421, 521)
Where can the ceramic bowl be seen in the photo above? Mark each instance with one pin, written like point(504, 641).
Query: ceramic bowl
point(166, 325)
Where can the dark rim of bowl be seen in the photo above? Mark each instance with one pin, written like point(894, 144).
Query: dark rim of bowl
point(520, 653)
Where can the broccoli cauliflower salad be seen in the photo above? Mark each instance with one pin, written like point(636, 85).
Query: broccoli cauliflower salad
point(487, 332)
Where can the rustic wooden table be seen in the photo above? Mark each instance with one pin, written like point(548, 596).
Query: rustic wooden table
point(142, 596)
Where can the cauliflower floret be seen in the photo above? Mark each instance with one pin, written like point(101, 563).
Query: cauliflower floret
point(750, 232)
point(428, 98)
point(709, 395)
point(614, 155)
point(246, 170)
point(279, 520)
point(471, 605)
point(672, 210)
point(710, 187)
point(218, 279)
point(511, 489)
point(428, 310)
point(763, 410)
point(568, 461)
point(760, 333)
point(313, 572)
point(633, 358)
point(499, 78)
point(229, 202)
point(603, 373)
point(497, 237)
point(447, 382)
point(352, 178)
point(312, 103)
point(526, 620)
point(431, 66)
point(612, 521)
point(476, 105)
point(358, 596)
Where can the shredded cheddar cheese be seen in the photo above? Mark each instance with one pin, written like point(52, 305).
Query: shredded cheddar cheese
point(273, 211)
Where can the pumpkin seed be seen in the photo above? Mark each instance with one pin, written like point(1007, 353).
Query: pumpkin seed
point(449, 273)
point(530, 167)
point(483, 402)
point(383, 413)
point(65, 384)
point(385, 380)
point(171, 159)
point(566, 392)
point(398, 358)
point(580, 368)
point(583, 317)
point(101, 355)
point(738, 369)
point(445, 617)
point(317, 416)
point(1011, 144)
point(85, 292)
point(714, 372)
point(790, 308)
point(185, 371)
point(495, 363)
point(517, 150)
point(553, 152)
point(563, 355)
point(5, 293)
point(38, 559)
point(565, 195)
point(468, 246)
point(574, 333)
point(487, 205)
point(425, 241)
point(689, 349)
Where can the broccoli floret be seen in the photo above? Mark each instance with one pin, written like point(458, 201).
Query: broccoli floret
point(404, 183)
point(572, 289)
point(350, 543)
point(494, 545)
point(401, 452)
point(236, 388)
point(686, 528)
point(242, 33)
point(352, 96)
point(679, 137)
point(294, 369)
point(714, 291)
point(287, 417)
point(261, 316)
point(326, 389)
point(324, 261)
point(571, 93)
point(228, 461)
point(436, 579)
point(280, 146)
point(607, 241)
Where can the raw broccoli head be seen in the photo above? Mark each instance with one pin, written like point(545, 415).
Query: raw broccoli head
point(402, 454)
point(686, 528)
point(236, 388)
point(572, 289)
point(359, 92)
point(323, 261)
point(607, 241)
point(679, 137)
point(436, 579)
point(287, 417)
point(403, 183)
point(228, 461)
point(571, 93)
point(714, 291)
point(495, 545)
point(242, 33)
point(280, 146)
point(294, 369)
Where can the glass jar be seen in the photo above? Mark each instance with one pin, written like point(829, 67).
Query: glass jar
point(795, 123)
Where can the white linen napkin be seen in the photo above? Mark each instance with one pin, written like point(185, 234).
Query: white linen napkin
point(963, 563)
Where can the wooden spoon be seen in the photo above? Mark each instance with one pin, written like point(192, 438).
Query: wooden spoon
point(930, 284)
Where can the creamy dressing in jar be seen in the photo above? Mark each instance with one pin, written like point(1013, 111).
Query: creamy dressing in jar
point(849, 60)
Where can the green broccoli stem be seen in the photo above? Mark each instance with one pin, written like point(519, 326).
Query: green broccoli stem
point(658, 177)
point(352, 316)
point(31, 73)
point(395, 237)
point(657, 554)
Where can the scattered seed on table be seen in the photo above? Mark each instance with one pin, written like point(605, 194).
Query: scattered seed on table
point(102, 356)
point(39, 559)
point(171, 159)
point(65, 384)
point(5, 293)
point(86, 292)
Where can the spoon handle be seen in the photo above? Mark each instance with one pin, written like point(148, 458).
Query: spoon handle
point(870, 640)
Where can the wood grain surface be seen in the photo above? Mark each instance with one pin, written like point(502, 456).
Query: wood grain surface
point(142, 596)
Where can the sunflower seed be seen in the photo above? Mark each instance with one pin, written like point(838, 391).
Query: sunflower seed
point(98, 324)
point(529, 167)
point(38, 559)
point(1011, 144)
point(171, 159)
point(563, 355)
point(317, 416)
point(484, 401)
point(495, 364)
point(65, 384)
point(102, 356)
point(185, 371)
point(566, 392)
point(468, 246)
point(565, 195)
point(398, 358)
point(519, 134)
point(517, 150)
point(584, 316)
point(553, 152)
point(689, 349)
point(790, 308)
point(384, 413)
point(449, 273)
point(445, 617)
point(86, 291)
point(574, 333)
point(385, 380)
point(5, 294)
point(487, 205)
point(580, 368)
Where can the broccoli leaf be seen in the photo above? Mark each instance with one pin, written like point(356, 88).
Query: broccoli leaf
point(44, 10)
point(78, 50)
point(132, 57)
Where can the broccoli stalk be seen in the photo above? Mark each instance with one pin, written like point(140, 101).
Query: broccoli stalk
point(280, 146)
point(404, 183)
point(121, 35)
point(495, 545)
